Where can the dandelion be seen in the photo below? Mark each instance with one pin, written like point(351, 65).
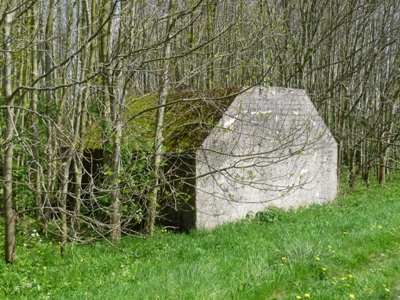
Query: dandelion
point(343, 278)
point(306, 295)
point(334, 282)
point(345, 232)
point(351, 296)
point(318, 258)
point(283, 258)
point(386, 288)
point(298, 297)
point(277, 250)
point(351, 276)
point(324, 269)
point(44, 268)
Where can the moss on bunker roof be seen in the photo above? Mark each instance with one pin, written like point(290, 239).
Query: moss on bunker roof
point(189, 116)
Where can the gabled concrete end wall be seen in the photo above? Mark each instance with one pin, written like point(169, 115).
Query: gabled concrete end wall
point(270, 148)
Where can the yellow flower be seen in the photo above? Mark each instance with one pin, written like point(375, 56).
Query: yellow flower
point(324, 269)
point(306, 295)
point(387, 290)
point(283, 258)
point(318, 258)
point(352, 296)
point(351, 276)
point(45, 268)
point(345, 232)
point(334, 282)
point(298, 297)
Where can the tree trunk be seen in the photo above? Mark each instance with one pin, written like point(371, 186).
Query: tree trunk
point(35, 130)
point(352, 175)
point(152, 203)
point(9, 213)
point(62, 205)
point(115, 186)
point(382, 169)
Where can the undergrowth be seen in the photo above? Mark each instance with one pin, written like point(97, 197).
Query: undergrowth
point(349, 249)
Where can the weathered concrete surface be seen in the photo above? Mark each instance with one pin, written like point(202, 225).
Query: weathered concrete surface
point(270, 148)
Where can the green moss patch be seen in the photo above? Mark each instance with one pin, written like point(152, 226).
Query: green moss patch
point(189, 116)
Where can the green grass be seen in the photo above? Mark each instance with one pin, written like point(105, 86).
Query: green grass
point(348, 248)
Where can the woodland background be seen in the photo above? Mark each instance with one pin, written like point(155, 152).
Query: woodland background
point(86, 74)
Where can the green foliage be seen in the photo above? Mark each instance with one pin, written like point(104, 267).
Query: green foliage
point(271, 214)
point(347, 248)
point(135, 182)
point(22, 194)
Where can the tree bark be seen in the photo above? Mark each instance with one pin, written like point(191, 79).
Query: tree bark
point(35, 130)
point(9, 213)
point(158, 142)
point(62, 205)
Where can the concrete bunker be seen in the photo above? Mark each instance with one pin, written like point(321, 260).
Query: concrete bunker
point(269, 147)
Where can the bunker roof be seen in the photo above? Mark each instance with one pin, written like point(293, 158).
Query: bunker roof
point(189, 116)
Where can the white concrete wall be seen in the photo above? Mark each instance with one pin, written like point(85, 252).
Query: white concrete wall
point(270, 148)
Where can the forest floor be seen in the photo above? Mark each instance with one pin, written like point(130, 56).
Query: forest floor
point(348, 249)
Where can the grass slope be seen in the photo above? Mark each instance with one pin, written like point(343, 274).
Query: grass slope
point(349, 249)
